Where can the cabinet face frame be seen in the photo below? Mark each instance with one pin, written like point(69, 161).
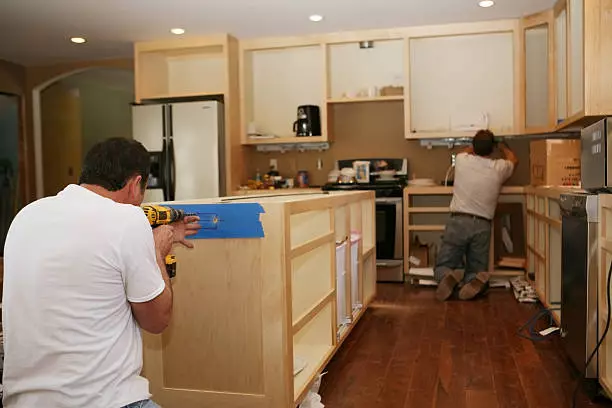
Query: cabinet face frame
point(404, 34)
point(455, 30)
point(559, 8)
point(605, 252)
point(542, 19)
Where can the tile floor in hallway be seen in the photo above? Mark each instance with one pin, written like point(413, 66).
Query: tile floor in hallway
point(411, 351)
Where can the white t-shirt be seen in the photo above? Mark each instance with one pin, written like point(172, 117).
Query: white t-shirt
point(71, 263)
point(477, 184)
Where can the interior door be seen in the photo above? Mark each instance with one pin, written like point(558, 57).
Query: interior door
point(62, 137)
point(196, 148)
point(148, 123)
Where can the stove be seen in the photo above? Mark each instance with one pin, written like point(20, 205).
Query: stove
point(382, 187)
point(386, 188)
point(389, 214)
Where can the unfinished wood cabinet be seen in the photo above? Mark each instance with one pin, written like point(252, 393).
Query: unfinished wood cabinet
point(465, 81)
point(583, 38)
point(255, 321)
point(560, 62)
point(275, 81)
point(366, 71)
point(605, 261)
point(196, 67)
point(183, 67)
point(576, 10)
point(537, 71)
point(426, 211)
point(544, 244)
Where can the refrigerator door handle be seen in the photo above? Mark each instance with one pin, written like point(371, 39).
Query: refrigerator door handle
point(164, 170)
point(171, 170)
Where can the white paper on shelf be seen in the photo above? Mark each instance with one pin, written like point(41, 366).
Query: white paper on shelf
point(299, 364)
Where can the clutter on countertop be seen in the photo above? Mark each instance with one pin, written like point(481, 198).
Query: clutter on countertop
point(273, 180)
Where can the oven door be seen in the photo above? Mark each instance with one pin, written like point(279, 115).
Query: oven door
point(389, 240)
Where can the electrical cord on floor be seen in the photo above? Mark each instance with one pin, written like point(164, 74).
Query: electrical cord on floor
point(601, 339)
point(534, 334)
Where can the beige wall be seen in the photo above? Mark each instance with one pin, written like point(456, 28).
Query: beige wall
point(61, 136)
point(370, 130)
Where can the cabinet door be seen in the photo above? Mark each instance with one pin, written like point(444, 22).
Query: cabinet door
point(462, 83)
point(576, 56)
point(537, 67)
point(561, 63)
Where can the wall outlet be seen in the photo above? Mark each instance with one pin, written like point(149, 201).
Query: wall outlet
point(273, 164)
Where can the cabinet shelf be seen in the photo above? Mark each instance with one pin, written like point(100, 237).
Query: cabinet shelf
point(367, 99)
point(287, 140)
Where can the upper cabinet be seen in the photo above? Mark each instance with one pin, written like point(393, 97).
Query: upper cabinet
point(560, 62)
point(275, 82)
point(537, 73)
point(181, 68)
point(462, 81)
point(582, 44)
point(193, 67)
point(576, 56)
point(356, 71)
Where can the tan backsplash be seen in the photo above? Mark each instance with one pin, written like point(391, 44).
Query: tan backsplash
point(370, 130)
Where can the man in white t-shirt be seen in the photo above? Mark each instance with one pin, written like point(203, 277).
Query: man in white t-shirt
point(83, 272)
point(467, 236)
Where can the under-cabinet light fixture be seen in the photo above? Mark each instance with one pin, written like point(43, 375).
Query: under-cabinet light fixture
point(316, 18)
point(486, 3)
point(177, 31)
point(78, 40)
point(366, 44)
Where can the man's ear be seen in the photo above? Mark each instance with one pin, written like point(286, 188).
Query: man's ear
point(134, 185)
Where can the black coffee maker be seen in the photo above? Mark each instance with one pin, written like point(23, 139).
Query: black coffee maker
point(308, 121)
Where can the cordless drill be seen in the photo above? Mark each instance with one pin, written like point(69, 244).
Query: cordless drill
point(159, 215)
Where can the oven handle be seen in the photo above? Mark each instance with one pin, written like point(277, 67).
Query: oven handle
point(389, 200)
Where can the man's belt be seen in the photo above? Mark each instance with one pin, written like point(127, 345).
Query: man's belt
point(461, 214)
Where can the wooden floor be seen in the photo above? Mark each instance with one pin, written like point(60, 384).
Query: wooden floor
point(411, 351)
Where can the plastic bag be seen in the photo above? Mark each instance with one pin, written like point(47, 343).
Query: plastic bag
point(313, 399)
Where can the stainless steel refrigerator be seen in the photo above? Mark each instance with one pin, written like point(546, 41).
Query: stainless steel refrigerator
point(185, 141)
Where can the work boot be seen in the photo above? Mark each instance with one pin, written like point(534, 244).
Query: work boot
point(474, 287)
point(447, 284)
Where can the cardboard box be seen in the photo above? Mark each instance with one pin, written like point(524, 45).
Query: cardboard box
point(555, 162)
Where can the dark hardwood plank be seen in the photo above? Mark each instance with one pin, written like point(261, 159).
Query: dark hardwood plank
point(411, 351)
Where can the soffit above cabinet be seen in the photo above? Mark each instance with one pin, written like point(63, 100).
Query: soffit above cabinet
point(112, 26)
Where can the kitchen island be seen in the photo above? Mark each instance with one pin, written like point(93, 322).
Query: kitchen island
point(256, 319)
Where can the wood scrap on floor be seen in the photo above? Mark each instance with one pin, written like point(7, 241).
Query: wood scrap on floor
point(523, 291)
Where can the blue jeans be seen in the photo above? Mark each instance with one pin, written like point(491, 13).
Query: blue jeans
point(465, 237)
point(143, 404)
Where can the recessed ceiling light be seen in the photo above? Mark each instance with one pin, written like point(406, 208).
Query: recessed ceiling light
point(78, 40)
point(177, 31)
point(486, 3)
point(316, 18)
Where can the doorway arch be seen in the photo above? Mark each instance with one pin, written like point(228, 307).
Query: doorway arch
point(37, 131)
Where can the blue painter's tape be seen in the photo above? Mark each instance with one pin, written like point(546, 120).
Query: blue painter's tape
point(227, 220)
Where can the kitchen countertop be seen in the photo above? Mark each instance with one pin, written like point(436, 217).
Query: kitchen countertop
point(441, 190)
point(552, 191)
point(308, 190)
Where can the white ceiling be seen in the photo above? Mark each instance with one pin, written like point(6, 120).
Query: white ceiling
point(34, 32)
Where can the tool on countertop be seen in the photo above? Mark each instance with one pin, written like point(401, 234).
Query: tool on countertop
point(160, 215)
